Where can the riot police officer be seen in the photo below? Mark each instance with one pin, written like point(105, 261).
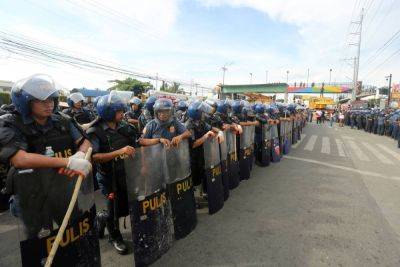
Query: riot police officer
point(77, 111)
point(132, 116)
point(37, 142)
point(148, 112)
point(181, 111)
point(200, 131)
point(164, 128)
point(113, 139)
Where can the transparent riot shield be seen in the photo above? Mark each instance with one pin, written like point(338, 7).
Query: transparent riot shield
point(294, 131)
point(246, 137)
point(180, 189)
point(245, 152)
point(42, 197)
point(275, 149)
point(148, 205)
point(214, 185)
point(265, 149)
point(223, 151)
point(233, 163)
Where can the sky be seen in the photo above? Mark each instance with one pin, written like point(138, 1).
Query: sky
point(190, 40)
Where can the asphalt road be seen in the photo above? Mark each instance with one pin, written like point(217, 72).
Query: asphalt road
point(333, 201)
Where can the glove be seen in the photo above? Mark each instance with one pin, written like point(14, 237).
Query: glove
point(81, 166)
point(78, 155)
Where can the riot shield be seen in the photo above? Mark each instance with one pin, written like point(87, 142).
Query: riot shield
point(281, 129)
point(233, 163)
point(265, 149)
point(212, 166)
point(223, 151)
point(252, 142)
point(42, 197)
point(294, 132)
point(148, 205)
point(275, 150)
point(284, 126)
point(245, 153)
point(180, 189)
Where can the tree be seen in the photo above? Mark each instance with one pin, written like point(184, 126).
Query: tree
point(131, 84)
point(174, 88)
point(384, 90)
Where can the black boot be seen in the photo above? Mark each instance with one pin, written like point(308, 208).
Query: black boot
point(100, 222)
point(115, 238)
point(119, 245)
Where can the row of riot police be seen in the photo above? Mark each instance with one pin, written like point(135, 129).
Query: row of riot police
point(156, 162)
point(382, 122)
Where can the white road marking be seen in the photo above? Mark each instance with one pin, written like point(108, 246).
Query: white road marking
point(357, 150)
point(299, 142)
point(378, 154)
point(326, 145)
point(368, 173)
point(389, 151)
point(311, 143)
point(340, 147)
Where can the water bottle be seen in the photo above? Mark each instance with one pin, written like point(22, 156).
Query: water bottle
point(49, 152)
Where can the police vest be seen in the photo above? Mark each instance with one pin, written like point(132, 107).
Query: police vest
point(58, 137)
point(81, 116)
point(111, 141)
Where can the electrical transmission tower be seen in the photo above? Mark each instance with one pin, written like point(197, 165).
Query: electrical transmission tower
point(358, 33)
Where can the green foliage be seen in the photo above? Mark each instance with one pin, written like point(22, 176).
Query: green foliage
point(384, 90)
point(130, 84)
point(5, 98)
point(174, 88)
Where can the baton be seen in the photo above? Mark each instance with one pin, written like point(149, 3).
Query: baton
point(71, 206)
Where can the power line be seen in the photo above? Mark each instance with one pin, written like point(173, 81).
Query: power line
point(380, 65)
point(383, 47)
point(37, 51)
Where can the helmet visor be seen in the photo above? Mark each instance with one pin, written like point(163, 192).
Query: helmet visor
point(39, 86)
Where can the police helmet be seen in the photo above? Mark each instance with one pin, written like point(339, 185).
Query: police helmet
point(135, 101)
point(223, 106)
point(150, 103)
point(259, 108)
point(163, 104)
point(35, 87)
point(237, 106)
point(75, 98)
point(108, 105)
point(182, 105)
point(213, 103)
point(197, 108)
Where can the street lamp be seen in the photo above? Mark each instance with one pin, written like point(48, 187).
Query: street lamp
point(286, 90)
point(223, 74)
point(251, 78)
point(330, 76)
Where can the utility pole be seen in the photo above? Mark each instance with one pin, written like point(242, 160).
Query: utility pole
point(357, 59)
point(390, 88)
point(308, 76)
point(266, 76)
point(330, 76)
point(251, 78)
